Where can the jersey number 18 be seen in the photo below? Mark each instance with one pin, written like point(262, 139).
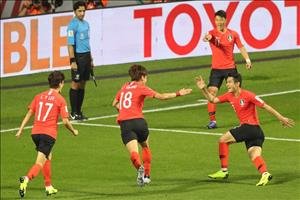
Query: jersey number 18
point(125, 100)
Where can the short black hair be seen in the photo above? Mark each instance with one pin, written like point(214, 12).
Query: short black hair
point(55, 78)
point(221, 13)
point(78, 4)
point(136, 72)
point(237, 77)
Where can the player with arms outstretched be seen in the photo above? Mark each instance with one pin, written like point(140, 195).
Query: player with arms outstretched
point(222, 41)
point(46, 108)
point(244, 104)
point(129, 101)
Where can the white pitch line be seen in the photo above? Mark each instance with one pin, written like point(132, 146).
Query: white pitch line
point(182, 131)
point(163, 109)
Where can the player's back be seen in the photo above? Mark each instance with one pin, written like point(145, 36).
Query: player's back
point(131, 100)
point(48, 106)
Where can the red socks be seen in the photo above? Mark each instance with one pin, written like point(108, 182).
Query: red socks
point(223, 154)
point(211, 108)
point(146, 156)
point(47, 173)
point(260, 164)
point(135, 159)
point(34, 171)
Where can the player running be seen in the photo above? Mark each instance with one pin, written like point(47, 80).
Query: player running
point(222, 41)
point(46, 108)
point(129, 101)
point(244, 104)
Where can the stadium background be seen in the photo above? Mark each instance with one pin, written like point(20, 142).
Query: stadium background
point(95, 165)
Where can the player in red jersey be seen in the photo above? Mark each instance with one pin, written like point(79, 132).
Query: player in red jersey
point(244, 104)
point(222, 41)
point(46, 108)
point(129, 101)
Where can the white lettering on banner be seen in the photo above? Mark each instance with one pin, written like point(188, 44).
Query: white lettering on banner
point(150, 32)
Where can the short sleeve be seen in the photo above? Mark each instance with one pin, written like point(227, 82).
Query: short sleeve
point(32, 105)
point(237, 40)
point(71, 33)
point(63, 109)
point(223, 98)
point(148, 92)
point(256, 100)
point(118, 95)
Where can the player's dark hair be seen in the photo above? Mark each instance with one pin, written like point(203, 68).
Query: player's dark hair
point(236, 78)
point(221, 13)
point(78, 4)
point(136, 72)
point(55, 78)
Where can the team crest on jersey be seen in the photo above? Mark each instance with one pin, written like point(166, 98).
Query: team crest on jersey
point(242, 102)
point(229, 38)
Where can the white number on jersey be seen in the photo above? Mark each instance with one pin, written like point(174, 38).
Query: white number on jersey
point(49, 105)
point(125, 100)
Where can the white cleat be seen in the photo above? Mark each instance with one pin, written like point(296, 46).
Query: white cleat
point(147, 179)
point(140, 176)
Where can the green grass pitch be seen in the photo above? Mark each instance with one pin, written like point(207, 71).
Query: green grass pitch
point(95, 165)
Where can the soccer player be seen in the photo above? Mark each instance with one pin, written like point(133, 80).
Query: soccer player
point(244, 104)
point(80, 59)
point(222, 41)
point(46, 108)
point(129, 101)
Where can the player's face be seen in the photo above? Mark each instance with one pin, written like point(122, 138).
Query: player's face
point(220, 22)
point(80, 12)
point(231, 85)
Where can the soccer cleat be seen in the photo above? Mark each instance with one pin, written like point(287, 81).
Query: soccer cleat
point(265, 178)
point(50, 190)
point(147, 179)
point(212, 125)
point(82, 117)
point(219, 175)
point(74, 116)
point(140, 176)
point(23, 186)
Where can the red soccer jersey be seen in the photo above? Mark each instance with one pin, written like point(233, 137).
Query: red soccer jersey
point(222, 45)
point(244, 106)
point(47, 106)
point(131, 100)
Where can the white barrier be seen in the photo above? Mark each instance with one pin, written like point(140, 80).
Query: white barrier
point(150, 32)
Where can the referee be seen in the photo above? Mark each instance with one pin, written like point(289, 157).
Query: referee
point(80, 58)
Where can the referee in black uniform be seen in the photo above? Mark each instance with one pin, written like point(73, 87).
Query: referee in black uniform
point(80, 58)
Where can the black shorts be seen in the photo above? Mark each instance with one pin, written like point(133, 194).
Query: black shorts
point(252, 135)
point(218, 75)
point(134, 129)
point(43, 143)
point(83, 61)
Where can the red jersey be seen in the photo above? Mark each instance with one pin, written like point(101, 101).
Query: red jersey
point(131, 100)
point(47, 106)
point(244, 106)
point(222, 45)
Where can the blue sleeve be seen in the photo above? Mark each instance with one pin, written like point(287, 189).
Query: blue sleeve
point(71, 32)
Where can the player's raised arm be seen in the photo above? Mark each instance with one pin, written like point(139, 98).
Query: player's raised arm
point(284, 120)
point(207, 37)
point(202, 86)
point(29, 114)
point(165, 96)
point(69, 126)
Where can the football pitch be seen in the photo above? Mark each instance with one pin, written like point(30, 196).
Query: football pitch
point(95, 165)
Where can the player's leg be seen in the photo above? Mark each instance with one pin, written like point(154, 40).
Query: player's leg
point(211, 108)
point(73, 95)
point(81, 92)
point(215, 81)
point(49, 189)
point(224, 142)
point(147, 157)
point(33, 172)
